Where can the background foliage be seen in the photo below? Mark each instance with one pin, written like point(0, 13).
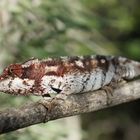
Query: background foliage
point(42, 28)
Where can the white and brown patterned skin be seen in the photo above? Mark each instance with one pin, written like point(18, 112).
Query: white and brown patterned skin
point(66, 75)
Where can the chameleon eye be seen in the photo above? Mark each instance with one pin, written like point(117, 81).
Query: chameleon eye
point(15, 70)
point(11, 71)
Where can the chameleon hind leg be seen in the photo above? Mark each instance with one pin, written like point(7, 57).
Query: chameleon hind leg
point(109, 89)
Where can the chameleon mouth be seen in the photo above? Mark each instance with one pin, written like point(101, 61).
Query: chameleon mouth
point(1, 78)
point(4, 75)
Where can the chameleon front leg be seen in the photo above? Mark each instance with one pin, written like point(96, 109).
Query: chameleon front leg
point(51, 100)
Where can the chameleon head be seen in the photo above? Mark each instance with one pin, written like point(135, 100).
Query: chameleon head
point(11, 80)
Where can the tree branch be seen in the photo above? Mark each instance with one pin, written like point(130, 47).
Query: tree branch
point(34, 113)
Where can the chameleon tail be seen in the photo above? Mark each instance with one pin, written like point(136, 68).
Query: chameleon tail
point(130, 68)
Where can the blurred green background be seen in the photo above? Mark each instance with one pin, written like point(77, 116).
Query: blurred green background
point(42, 28)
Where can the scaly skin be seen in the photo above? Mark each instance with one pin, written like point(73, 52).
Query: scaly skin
point(66, 75)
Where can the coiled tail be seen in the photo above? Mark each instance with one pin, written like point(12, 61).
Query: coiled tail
point(127, 68)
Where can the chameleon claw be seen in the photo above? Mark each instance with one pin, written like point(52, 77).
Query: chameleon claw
point(46, 103)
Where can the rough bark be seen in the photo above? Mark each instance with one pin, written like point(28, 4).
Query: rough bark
point(34, 113)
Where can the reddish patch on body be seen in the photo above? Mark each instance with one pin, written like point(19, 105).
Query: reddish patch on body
point(51, 73)
point(61, 70)
point(34, 72)
point(69, 65)
point(37, 70)
point(88, 64)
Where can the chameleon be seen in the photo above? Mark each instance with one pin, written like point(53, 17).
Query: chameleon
point(66, 75)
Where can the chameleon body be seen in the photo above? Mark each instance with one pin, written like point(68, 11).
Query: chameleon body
point(66, 75)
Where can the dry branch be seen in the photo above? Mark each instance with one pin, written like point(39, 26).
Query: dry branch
point(34, 113)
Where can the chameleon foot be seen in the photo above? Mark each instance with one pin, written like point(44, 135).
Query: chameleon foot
point(49, 102)
point(46, 103)
point(108, 90)
point(58, 99)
